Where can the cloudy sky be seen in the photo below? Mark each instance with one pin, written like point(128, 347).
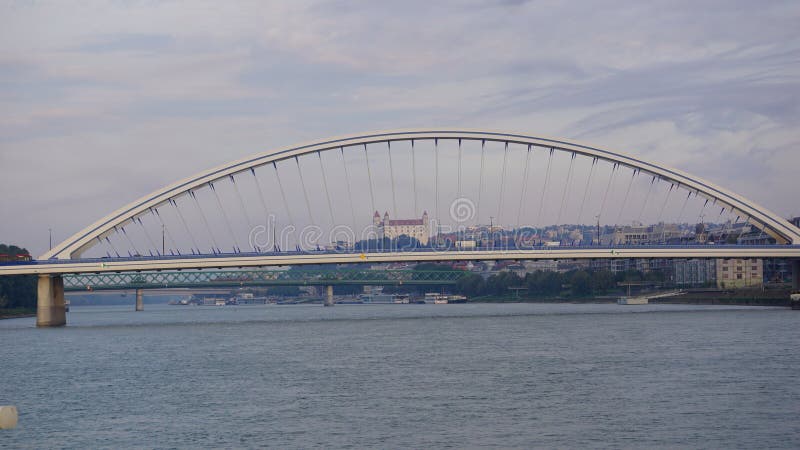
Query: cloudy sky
point(103, 102)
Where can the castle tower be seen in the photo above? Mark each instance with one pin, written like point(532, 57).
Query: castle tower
point(376, 219)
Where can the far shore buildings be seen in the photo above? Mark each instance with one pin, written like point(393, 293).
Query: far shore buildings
point(738, 273)
point(418, 229)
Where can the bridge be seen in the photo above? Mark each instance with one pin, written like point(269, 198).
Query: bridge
point(140, 281)
point(455, 195)
point(250, 278)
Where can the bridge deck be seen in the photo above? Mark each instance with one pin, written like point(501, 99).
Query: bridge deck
point(274, 259)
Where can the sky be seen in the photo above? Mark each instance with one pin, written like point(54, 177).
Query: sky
point(102, 102)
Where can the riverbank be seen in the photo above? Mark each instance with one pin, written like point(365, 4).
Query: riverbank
point(16, 313)
point(744, 297)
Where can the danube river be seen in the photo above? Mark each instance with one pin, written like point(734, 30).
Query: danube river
point(405, 376)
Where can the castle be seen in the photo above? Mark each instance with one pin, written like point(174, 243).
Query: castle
point(418, 229)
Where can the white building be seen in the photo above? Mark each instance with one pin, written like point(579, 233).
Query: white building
point(418, 229)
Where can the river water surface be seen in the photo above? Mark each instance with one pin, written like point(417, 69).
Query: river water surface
point(405, 376)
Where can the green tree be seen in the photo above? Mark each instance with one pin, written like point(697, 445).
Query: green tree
point(17, 291)
point(602, 281)
point(285, 291)
point(581, 283)
point(471, 285)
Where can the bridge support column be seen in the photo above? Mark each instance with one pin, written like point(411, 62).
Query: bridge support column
point(139, 300)
point(794, 303)
point(329, 296)
point(50, 308)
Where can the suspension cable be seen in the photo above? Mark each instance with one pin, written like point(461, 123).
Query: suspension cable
point(502, 184)
point(458, 193)
point(261, 196)
point(586, 189)
point(305, 193)
point(205, 221)
point(661, 213)
point(283, 195)
point(325, 185)
point(746, 224)
point(566, 189)
point(101, 242)
point(391, 179)
point(112, 246)
point(664, 206)
point(414, 176)
point(683, 207)
point(480, 183)
point(186, 226)
point(147, 235)
point(166, 231)
point(436, 184)
point(605, 195)
point(349, 193)
point(241, 200)
point(524, 187)
point(646, 198)
point(702, 210)
point(244, 208)
point(544, 187)
point(236, 248)
point(627, 192)
point(369, 179)
point(128, 238)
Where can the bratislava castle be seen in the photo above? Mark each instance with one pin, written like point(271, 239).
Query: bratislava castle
point(418, 229)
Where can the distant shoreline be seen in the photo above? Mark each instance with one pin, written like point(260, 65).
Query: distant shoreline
point(17, 313)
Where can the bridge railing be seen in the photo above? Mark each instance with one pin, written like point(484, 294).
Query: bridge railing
point(426, 250)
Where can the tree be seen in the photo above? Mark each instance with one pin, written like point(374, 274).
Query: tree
point(284, 291)
point(17, 291)
point(471, 285)
point(581, 283)
point(544, 283)
point(602, 281)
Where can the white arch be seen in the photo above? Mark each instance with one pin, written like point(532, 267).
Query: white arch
point(774, 225)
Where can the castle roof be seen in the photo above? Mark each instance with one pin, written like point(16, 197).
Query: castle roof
point(405, 222)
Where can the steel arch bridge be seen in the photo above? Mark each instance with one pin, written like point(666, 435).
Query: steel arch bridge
point(318, 203)
point(208, 237)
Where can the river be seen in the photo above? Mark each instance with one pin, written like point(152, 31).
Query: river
point(405, 376)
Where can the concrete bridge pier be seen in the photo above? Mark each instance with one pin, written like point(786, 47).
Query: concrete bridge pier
point(139, 300)
point(329, 296)
point(51, 310)
point(793, 303)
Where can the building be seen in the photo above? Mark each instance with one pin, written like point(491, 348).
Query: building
point(544, 265)
point(639, 234)
point(418, 229)
point(737, 273)
point(695, 272)
point(777, 271)
point(631, 235)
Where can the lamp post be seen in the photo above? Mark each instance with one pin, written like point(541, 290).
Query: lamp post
point(491, 229)
point(598, 228)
